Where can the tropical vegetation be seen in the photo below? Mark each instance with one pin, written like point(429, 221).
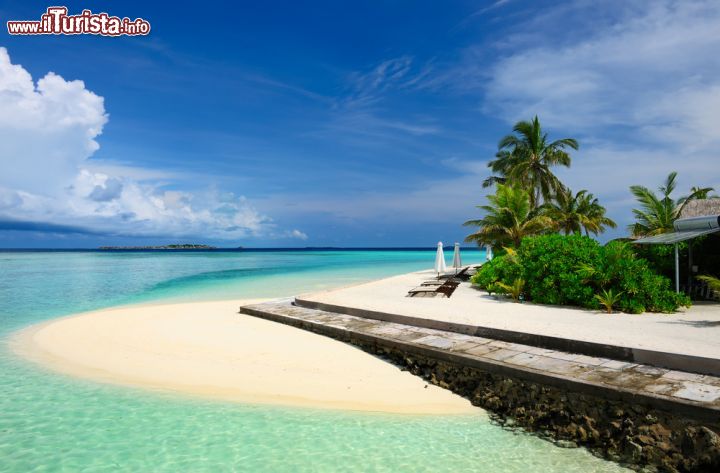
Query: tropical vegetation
point(536, 225)
point(509, 218)
point(530, 199)
point(657, 213)
point(608, 299)
point(712, 282)
point(525, 159)
point(577, 213)
point(572, 269)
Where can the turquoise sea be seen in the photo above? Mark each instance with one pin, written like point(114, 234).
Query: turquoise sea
point(50, 422)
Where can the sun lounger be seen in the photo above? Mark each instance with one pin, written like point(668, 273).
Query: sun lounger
point(446, 289)
point(432, 283)
point(462, 274)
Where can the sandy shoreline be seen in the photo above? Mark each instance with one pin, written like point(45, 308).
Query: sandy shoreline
point(694, 331)
point(208, 349)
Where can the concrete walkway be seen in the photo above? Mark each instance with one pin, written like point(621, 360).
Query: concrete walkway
point(693, 395)
point(688, 340)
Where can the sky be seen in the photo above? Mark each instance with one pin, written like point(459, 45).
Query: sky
point(346, 124)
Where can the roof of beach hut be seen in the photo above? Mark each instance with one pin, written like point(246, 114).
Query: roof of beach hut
point(700, 208)
point(699, 217)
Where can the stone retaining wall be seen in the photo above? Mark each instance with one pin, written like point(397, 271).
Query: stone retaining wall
point(642, 437)
point(642, 429)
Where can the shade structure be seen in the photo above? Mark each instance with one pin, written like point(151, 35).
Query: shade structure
point(685, 229)
point(457, 262)
point(440, 259)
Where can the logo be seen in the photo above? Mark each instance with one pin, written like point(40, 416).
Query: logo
point(57, 21)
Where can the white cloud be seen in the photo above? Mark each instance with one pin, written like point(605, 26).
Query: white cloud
point(360, 112)
point(642, 95)
point(618, 75)
point(298, 234)
point(48, 131)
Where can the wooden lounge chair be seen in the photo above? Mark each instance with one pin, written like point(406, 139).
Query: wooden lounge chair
point(447, 288)
point(462, 275)
point(432, 283)
point(425, 291)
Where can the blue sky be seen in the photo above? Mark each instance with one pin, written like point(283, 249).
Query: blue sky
point(271, 124)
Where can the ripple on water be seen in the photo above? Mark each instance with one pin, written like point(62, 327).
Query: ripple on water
point(50, 422)
point(56, 423)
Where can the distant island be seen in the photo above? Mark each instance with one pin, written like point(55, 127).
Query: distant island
point(184, 246)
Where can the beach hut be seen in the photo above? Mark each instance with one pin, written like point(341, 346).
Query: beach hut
point(692, 224)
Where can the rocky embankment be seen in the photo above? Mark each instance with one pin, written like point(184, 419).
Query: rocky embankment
point(641, 437)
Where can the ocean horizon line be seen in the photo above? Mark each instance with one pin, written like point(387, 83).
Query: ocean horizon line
point(236, 249)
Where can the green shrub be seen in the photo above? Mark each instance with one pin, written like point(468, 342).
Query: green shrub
point(550, 269)
point(499, 269)
point(571, 270)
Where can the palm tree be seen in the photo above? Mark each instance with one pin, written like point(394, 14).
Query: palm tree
point(608, 299)
point(595, 220)
point(698, 193)
point(657, 214)
point(712, 282)
point(524, 159)
point(578, 212)
point(508, 218)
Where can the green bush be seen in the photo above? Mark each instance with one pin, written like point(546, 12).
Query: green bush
point(499, 269)
point(571, 270)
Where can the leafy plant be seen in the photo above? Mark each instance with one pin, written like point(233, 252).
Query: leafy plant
point(578, 212)
point(657, 214)
point(508, 219)
point(608, 299)
point(514, 290)
point(572, 269)
point(712, 282)
point(500, 268)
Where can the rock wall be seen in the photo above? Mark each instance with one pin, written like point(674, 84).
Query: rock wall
point(641, 437)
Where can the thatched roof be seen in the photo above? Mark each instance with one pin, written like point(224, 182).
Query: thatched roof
point(701, 207)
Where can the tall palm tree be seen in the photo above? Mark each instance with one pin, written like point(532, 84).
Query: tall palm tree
point(525, 159)
point(508, 218)
point(657, 214)
point(578, 212)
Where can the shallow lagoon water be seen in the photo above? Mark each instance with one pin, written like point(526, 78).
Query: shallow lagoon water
point(52, 422)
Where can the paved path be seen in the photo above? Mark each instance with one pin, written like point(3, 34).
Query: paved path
point(687, 341)
point(694, 395)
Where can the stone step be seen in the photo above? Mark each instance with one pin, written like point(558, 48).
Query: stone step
point(685, 394)
point(658, 358)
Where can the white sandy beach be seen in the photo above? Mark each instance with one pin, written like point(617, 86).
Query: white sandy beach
point(208, 349)
point(694, 331)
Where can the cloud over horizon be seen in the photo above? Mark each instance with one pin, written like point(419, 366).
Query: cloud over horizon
point(49, 131)
point(633, 82)
point(346, 140)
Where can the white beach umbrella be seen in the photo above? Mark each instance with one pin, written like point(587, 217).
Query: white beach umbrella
point(457, 262)
point(440, 259)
